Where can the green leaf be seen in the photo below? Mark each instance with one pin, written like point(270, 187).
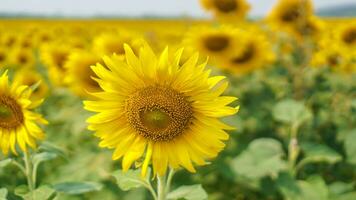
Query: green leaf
point(44, 156)
point(262, 157)
point(4, 163)
point(3, 194)
point(129, 180)
point(21, 190)
point(52, 148)
point(77, 187)
point(313, 188)
point(347, 196)
point(338, 188)
point(318, 153)
point(291, 111)
point(188, 192)
point(41, 193)
point(350, 147)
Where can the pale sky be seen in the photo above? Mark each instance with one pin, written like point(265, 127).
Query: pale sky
point(133, 8)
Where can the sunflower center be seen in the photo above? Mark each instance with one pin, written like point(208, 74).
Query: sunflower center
point(245, 56)
point(2, 57)
point(333, 60)
point(60, 59)
point(216, 43)
point(291, 14)
point(158, 113)
point(22, 59)
point(11, 115)
point(225, 5)
point(350, 36)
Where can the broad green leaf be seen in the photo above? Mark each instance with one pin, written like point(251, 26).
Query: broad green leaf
point(44, 156)
point(77, 187)
point(52, 148)
point(129, 180)
point(262, 157)
point(346, 196)
point(318, 153)
point(21, 190)
point(312, 188)
point(350, 147)
point(3, 194)
point(188, 192)
point(4, 163)
point(41, 193)
point(338, 188)
point(291, 111)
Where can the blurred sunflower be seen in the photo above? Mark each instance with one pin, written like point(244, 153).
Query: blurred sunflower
point(227, 9)
point(22, 57)
point(79, 75)
point(211, 41)
point(346, 35)
point(18, 124)
point(154, 107)
point(8, 39)
point(252, 51)
point(291, 15)
point(3, 57)
point(109, 43)
point(54, 56)
point(31, 78)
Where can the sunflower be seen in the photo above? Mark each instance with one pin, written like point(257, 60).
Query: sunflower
point(18, 124)
point(346, 36)
point(31, 78)
point(211, 41)
point(54, 56)
point(154, 107)
point(3, 57)
point(109, 43)
point(22, 57)
point(227, 9)
point(79, 74)
point(291, 15)
point(252, 51)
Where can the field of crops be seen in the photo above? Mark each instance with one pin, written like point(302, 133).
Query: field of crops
point(225, 108)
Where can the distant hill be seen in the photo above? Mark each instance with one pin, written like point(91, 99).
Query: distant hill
point(338, 11)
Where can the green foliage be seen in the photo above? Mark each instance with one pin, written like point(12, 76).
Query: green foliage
point(350, 147)
point(188, 192)
point(3, 194)
point(77, 187)
point(130, 179)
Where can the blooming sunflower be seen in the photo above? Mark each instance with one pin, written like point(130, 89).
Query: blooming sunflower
point(211, 41)
point(252, 51)
point(18, 124)
point(227, 9)
point(54, 56)
point(3, 57)
point(22, 57)
point(346, 36)
point(79, 74)
point(153, 109)
point(291, 15)
point(31, 77)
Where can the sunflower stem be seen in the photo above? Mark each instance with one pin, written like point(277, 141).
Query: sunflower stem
point(161, 187)
point(29, 169)
point(169, 180)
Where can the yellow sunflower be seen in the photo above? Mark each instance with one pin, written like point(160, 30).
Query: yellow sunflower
point(3, 57)
point(54, 56)
point(346, 36)
point(22, 57)
point(289, 15)
point(79, 76)
point(252, 51)
point(30, 77)
point(155, 110)
point(18, 124)
point(227, 9)
point(211, 41)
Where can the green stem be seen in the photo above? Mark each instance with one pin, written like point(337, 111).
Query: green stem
point(29, 169)
point(161, 187)
point(169, 180)
point(293, 149)
point(150, 188)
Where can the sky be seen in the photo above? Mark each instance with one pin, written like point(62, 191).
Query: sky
point(133, 8)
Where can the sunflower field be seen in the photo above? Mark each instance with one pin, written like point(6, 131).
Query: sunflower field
point(226, 108)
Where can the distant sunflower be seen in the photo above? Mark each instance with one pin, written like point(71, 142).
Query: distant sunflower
point(346, 36)
point(22, 57)
point(109, 43)
point(211, 41)
point(18, 124)
point(227, 9)
point(253, 51)
point(31, 77)
point(79, 76)
point(153, 109)
point(54, 56)
point(8, 39)
point(289, 15)
point(3, 57)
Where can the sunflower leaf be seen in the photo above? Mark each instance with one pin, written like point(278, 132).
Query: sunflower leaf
point(188, 192)
point(4, 163)
point(44, 156)
point(3, 194)
point(130, 179)
point(41, 193)
point(350, 147)
point(291, 111)
point(77, 187)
